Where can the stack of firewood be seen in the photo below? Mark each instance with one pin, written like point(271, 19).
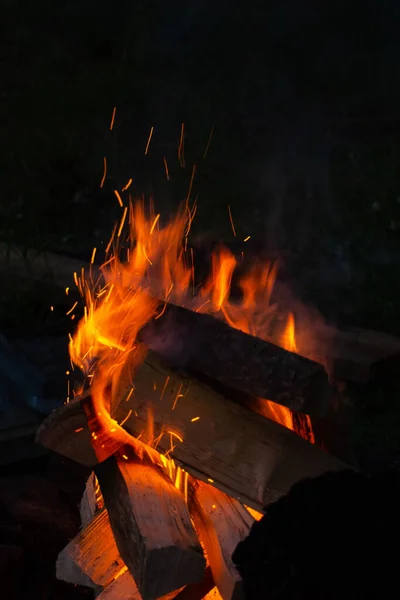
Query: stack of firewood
point(142, 540)
point(165, 522)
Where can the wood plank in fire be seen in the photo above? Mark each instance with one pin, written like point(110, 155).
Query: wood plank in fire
point(93, 552)
point(246, 455)
point(202, 344)
point(151, 526)
point(221, 523)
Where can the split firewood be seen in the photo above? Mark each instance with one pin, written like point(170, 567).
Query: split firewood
point(151, 526)
point(122, 588)
point(125, 588)
point(92, 553)
point(74, 436)
point(201, 344)
point(221, 523)
point(247, 456)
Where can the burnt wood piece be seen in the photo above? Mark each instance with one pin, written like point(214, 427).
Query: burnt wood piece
point(92, 557)
point(221, 523)
point(151, 526)
point(202, 344)
point(197, 591)
point(248, 456)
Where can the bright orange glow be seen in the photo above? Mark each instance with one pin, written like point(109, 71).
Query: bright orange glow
point(288, 340)
point(254, 513)
point(118, 196)
point(149, 140)
point(113, 118)
point(147, 266)
point(166, 168)
point(127, 185)
point(104, 172)
point(276, 412)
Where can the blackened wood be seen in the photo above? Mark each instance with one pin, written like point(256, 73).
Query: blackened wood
point(200, 343)
point(198, 591)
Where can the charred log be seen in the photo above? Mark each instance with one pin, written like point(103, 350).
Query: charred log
point(202, 344)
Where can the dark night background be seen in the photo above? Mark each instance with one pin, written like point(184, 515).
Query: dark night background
point(303, 96)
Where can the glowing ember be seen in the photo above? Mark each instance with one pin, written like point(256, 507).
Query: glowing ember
point(144, 268)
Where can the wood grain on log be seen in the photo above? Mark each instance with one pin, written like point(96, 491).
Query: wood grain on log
point(72, 437)
point(89, 504)
point(93, 552)
point(151, 526)
point(204, 345)
point(122, 588)
point(221, 523)
point(248, 456)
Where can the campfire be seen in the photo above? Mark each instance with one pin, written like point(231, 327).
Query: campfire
point(195, 413)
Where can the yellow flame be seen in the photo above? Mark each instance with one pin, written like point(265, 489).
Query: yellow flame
point(143, 270)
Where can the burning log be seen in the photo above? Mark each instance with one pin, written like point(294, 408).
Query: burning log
point(151, 526)
point(356, 355)
point(122, 588)
point(222, 523)
point(246, 455)
point(77, 446)
point(204, 345)
point(92, 557)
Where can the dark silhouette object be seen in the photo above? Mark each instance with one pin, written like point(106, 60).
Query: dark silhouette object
point(331, 537)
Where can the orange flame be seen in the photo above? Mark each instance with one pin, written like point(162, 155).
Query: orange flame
point(146, 268)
